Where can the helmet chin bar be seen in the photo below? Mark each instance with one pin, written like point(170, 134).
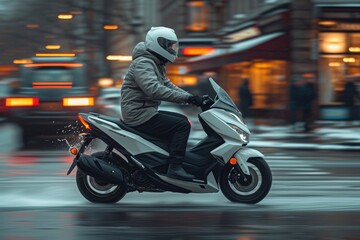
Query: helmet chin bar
point(158, 56)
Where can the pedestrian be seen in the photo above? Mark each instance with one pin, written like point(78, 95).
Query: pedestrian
point(308, 96)
point(245, 98)
point(145, 86)
point(294, 102)
point(301, 98)
point(350, 95)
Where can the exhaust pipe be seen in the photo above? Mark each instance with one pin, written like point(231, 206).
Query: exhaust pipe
point(100, 169)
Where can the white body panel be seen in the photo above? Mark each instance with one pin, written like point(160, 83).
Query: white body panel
point(243, 155)
point(133, 143)
point(219, 120)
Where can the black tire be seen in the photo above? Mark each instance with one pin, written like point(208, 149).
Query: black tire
point(255, 191)
point(98, 191)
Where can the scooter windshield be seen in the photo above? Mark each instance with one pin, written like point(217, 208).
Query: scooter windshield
point(222, 99)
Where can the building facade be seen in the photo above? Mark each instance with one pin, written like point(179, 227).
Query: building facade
point(270, 42)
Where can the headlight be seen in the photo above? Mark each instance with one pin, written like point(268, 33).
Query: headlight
point(243, 135)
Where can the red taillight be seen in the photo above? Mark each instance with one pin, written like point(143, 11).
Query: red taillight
point(82, 120)
point(78, 102)
point(21, 102)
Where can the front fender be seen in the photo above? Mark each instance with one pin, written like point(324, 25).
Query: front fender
point(243, 155)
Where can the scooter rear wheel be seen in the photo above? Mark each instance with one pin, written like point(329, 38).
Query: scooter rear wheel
point(98, 191)
point(233, 188)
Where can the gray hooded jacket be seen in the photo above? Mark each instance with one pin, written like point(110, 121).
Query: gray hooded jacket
point(145, 86)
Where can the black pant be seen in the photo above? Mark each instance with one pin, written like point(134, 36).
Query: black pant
point(171, 126)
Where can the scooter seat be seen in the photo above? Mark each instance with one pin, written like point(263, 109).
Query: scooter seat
point(157, 141)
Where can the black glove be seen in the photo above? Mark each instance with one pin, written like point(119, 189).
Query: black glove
point(195, 100)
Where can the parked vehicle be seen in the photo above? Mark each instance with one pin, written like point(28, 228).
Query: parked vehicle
point(52, 91)
point(133, 161)
point(7, 88)
point(108, 102)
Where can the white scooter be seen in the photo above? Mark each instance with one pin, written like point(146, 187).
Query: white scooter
point(133, 161)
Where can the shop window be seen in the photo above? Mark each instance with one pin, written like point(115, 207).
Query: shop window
point(177, 76)
point(333, 70)
point(340, 59)
point(197, 16)
point(267, 82)
point(332, 42)
point(270, 87)
point(354, 43)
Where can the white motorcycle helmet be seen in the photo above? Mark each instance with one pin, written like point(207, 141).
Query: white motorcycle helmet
point(163, 41)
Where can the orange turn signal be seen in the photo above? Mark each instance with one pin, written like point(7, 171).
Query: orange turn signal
point(233, 161)
point(73, 150)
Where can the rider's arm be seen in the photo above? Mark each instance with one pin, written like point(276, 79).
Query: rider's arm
point(149, 83)
point(169, 84)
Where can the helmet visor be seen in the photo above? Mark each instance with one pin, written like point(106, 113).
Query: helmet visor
point(175, 47)
point(169, 45)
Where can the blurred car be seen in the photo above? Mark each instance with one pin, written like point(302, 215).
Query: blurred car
point(51, 93)
point(109, 104)
point(7, 87)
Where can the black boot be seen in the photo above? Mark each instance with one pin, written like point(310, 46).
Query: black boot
point(175, 170)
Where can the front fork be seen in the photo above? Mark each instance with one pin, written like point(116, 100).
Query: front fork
point(242, 172)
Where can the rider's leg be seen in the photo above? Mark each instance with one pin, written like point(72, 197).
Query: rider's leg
point(176, 129)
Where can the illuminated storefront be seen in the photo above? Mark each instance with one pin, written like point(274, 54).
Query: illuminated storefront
point(267, 82)
point(338, 57)
point(258, 51)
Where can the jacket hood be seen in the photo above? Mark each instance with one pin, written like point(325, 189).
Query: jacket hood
point(141, 51)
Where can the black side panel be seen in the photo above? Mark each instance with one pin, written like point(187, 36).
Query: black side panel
point(199, 160)
point(199, 156)
point(153, 160)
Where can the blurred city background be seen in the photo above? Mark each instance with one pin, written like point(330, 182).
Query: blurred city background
point(280, 47)
point(300, 60)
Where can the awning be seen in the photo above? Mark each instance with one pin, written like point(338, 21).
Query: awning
point(271, 46)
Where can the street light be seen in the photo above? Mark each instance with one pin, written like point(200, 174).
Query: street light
point(32, 26)
point(52, 47)
point(111, 27)
point(55, 54)
point(22, 61)
point(65, 16)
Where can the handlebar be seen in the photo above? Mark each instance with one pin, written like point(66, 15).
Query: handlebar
point(207, 102)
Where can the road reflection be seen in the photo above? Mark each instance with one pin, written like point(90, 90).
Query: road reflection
point(177, 222)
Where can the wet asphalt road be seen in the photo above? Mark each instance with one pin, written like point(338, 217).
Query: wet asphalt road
point(315, 195)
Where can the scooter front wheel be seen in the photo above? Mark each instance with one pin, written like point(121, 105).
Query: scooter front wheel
point(98, 191)
point(236, 190)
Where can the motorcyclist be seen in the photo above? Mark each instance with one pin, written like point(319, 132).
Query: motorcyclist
point(145, 86)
